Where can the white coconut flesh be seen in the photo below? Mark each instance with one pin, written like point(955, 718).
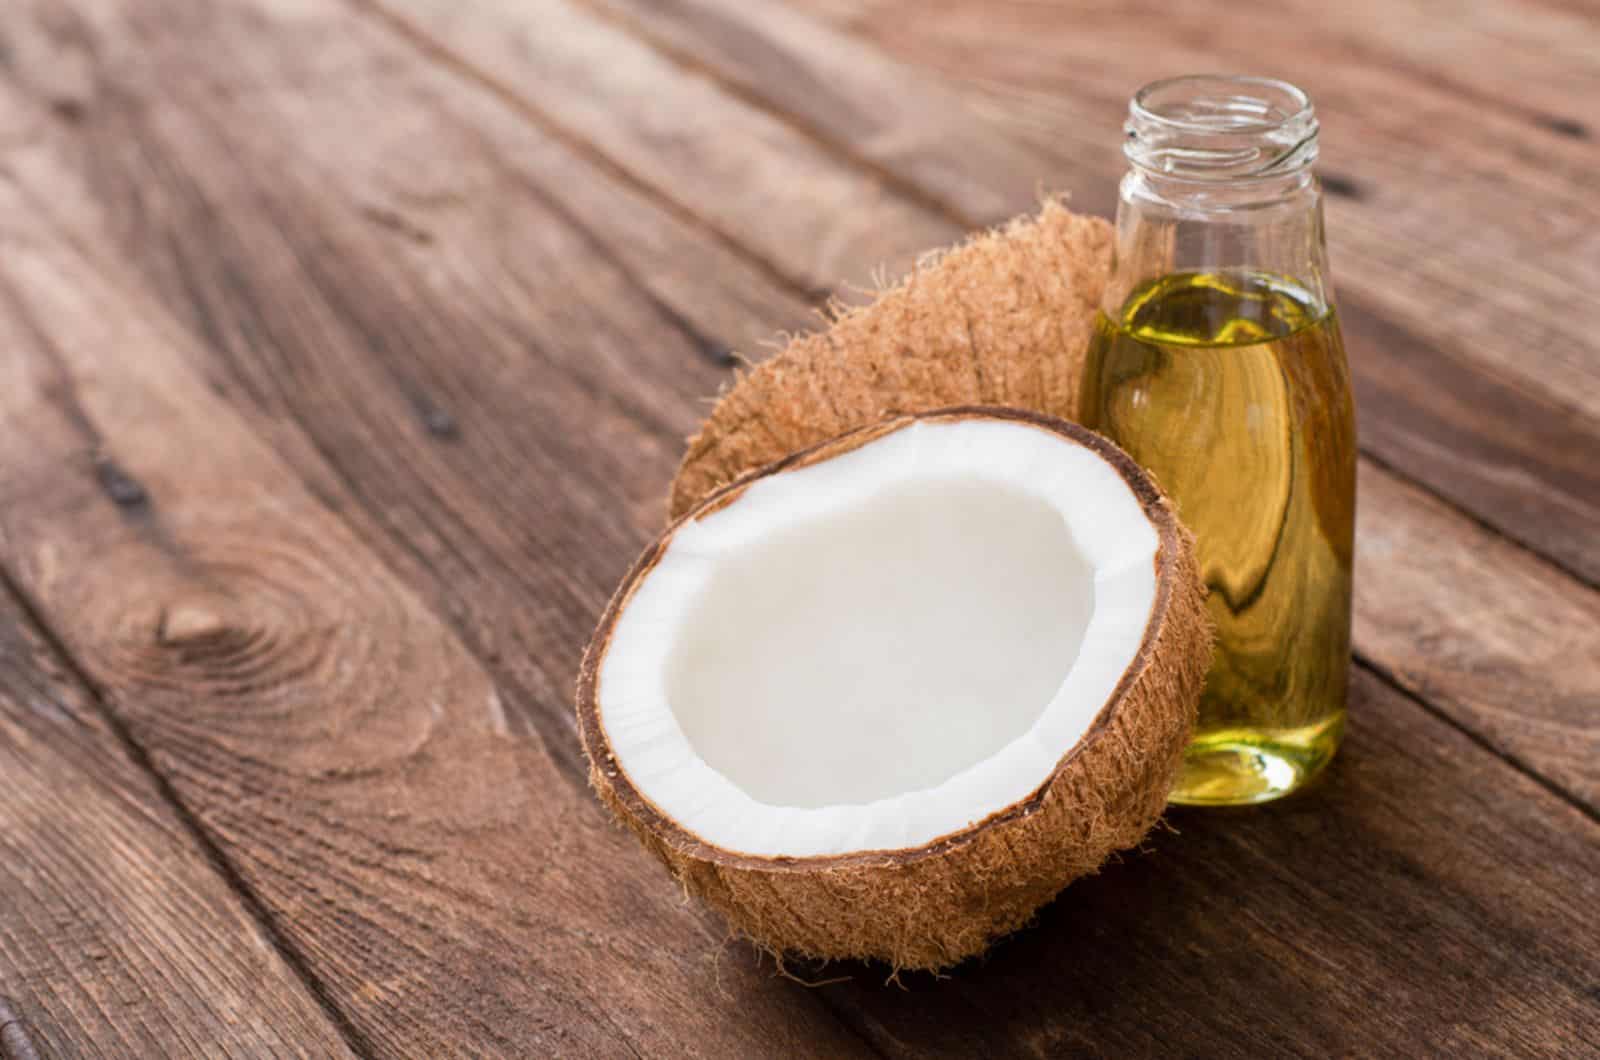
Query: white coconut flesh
point(882, 648)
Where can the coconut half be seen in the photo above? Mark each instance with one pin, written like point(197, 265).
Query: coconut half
point(888, 696)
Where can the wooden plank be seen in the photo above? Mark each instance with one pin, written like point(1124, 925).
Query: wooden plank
point(918, 123)
point(1501, 643)
point(1021, 97)
point(450, 891)
point(1415, 634)
point(837, 90)
point(1532, 60)
point(591, 84)
point(1517, 462)
point(118, 935)
point(1423, 901)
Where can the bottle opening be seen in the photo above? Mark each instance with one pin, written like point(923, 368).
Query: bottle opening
point(1221, 128)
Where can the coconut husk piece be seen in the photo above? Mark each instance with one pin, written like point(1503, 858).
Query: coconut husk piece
point(1002, 319)
point(932, 906)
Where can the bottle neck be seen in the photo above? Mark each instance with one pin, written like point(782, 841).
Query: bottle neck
point(1220, 181)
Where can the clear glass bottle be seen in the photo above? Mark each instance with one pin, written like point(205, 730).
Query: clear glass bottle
point(1217, 363)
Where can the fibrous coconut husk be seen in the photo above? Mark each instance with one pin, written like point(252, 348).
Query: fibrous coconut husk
point(932, 906)
point(1002, 319)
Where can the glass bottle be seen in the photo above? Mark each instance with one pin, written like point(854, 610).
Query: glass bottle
point(1217, 363)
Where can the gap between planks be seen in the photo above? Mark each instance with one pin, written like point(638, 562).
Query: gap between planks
point(112, 879)
point(224, 868)
point(1510, 759)
point(1555, 563)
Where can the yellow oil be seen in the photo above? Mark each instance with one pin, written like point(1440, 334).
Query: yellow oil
point(1232, 387)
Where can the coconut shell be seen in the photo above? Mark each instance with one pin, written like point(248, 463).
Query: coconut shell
point(1003, 319)
point(932, 906)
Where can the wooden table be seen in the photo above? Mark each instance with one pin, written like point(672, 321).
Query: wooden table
point(346, 351)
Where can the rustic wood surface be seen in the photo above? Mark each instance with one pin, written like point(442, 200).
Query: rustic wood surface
point(346, 350)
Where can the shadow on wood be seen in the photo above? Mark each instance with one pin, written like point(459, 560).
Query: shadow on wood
point(1375, 908)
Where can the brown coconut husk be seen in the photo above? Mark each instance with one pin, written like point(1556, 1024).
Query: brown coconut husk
point(932, 906)
point(1002, 319)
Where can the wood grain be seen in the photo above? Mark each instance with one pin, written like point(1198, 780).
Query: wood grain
point(835, 89)
point(118, 934)
point(450, 891)
point(1499, 642)
point(1534, 61)
point(1519, 463)
point(591, 84)
point(1013, 97)
point(942, 134)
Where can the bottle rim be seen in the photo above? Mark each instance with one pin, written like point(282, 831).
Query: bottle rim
point(1220, 128)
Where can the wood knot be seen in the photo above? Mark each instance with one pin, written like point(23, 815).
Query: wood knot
point(16, 1043)
point(124, 490)
point(397, 222)
point(69, 109)
point(439, 423)
point(185, 623)
point(211, 637)
point(1568, 127)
